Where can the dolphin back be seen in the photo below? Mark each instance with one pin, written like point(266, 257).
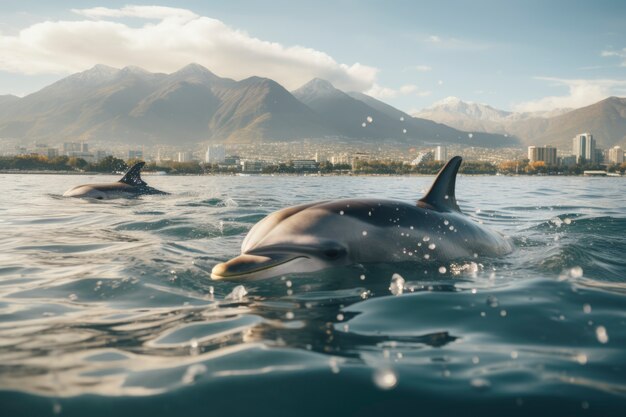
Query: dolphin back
point(442, 193)
point(133, 175)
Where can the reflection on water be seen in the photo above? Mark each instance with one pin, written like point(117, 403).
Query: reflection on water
point(113, 299)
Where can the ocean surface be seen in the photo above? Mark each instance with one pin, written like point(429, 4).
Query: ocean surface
point(107, 307)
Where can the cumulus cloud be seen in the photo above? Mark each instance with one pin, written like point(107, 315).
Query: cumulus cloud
point(178, 37)
point(382, 93)
point(580, 93)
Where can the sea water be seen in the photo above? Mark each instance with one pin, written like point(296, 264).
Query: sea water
point(107, 307)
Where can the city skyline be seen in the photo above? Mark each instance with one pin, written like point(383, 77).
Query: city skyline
point(409, 55)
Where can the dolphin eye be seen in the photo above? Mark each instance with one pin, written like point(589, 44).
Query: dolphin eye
point(333, 253)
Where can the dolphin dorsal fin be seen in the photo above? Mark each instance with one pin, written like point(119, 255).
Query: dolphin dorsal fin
point(133, 176)
point(441, 194)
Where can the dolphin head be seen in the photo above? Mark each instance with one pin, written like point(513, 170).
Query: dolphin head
point(304, 238)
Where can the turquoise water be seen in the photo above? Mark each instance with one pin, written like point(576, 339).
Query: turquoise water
point(107, 308)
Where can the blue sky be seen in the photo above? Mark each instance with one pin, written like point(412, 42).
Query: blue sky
point(515, 55)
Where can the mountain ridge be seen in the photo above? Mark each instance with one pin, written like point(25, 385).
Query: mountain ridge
point(194, 105)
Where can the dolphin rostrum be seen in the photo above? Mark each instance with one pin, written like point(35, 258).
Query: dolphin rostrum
point(129, 185)
point(320, 235)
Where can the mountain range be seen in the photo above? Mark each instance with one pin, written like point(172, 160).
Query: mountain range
point(194, 105)
point(606, 120)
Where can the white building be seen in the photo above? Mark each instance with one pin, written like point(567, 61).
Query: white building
point(441, 153)
point(185, 156)
point(584, 148)
point(422, 157)
point(215, 154)
point(616, 155)
point(545, 154)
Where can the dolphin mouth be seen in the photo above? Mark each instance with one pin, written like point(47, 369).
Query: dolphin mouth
point(246, 265)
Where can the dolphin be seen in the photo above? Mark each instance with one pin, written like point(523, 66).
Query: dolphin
point(327, 234)
point(130, 185)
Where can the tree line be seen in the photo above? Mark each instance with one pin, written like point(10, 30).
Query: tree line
point(111, 164)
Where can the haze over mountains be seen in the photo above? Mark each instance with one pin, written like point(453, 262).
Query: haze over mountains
point(194, 105)
point(606, 120)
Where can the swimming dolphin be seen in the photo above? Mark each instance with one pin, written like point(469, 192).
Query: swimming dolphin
point(320, 235)
point(130, 185)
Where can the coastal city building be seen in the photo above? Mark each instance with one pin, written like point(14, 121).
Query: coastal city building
point(616, 155)
point(135, 154)
point(252, 166)
point(423, 157)
point(584, 148)
point(441, 153)
point(215, 154)
point(301, 164)
point(545, 154)
point(185, 156)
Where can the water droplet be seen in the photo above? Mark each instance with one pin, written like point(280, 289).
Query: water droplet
point(470, 135)
point(364, 233)
point(442, 269)
point(396, 287)
point(480, 384)
point(587, 308)
point(426, 256)
point(446, 222)
point(567, 221)
point(492, 301)
point(426, 239)
point(72, 297)
point(402, 118)
point(403, 130)
point(363, 124)
point(502, 313)
point(385, 379)
point(237, 293)
point(514, 354)
point(581, 358)
point(340, 317)
point(211, 290)
point(602, 335)
point(193, 373)
point(341, 213)
point(362, 277)
point(289, 315)
point(288, 284)
point(334, 365)
point(576, 272)
point(475, 360)
point(369, 119)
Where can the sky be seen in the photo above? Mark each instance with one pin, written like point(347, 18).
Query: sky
point(522, 55)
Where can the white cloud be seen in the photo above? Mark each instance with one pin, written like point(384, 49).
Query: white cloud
point(420, 68)
point(143, 12)
point(382, 93)
point(455, 43)
point(580, 93)
point(619, 54)
point(177, 38)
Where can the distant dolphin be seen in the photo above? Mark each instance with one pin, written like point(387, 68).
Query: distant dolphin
point(130, 185)
point(320, 235)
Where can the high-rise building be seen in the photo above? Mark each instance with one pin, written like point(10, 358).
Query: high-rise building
point(215, 154)
point(616, 155)
point(185, 156)
point(441, 153)
point(545, 154)
point(584, 148)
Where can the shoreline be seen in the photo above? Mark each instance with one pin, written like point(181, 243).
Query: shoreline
point(218, 174)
